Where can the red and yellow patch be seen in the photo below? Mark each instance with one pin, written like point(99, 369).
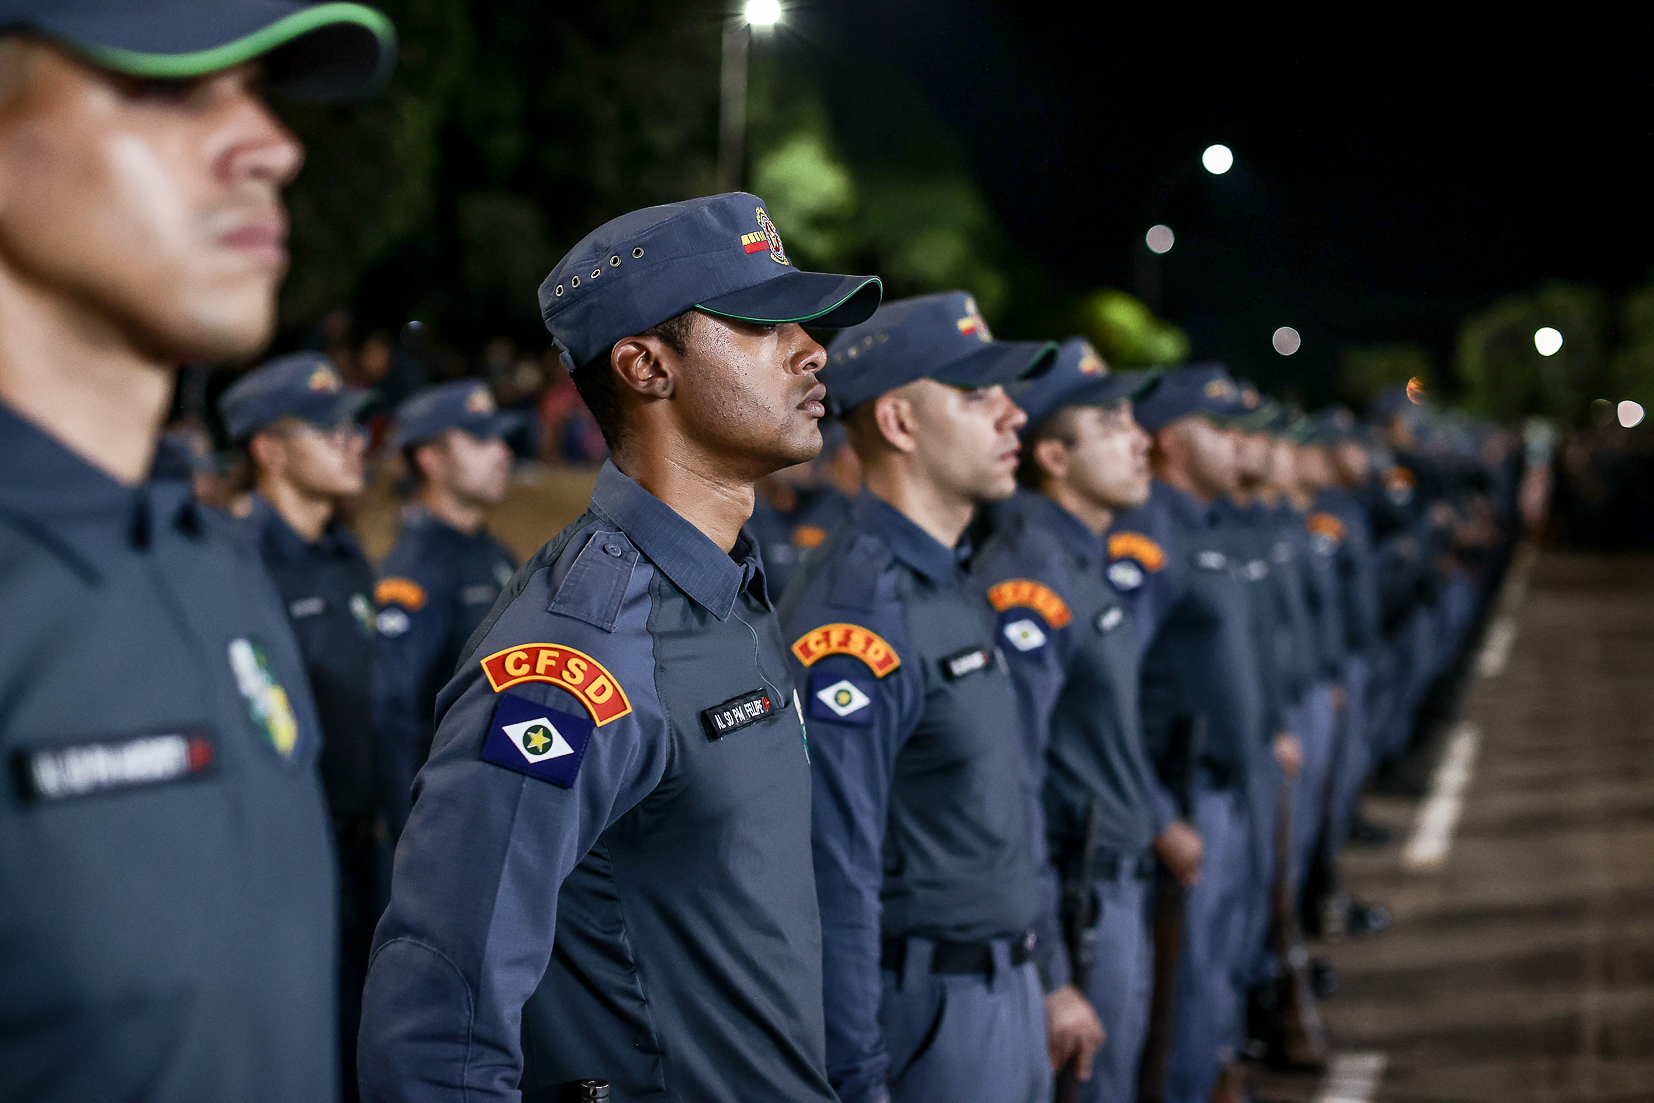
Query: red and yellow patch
point(808, 536)
point(1091, 363)
point(565, 668)
point(1028, 594)
point(1134, 545)
point(1325, 524)
point(400, 591)
point(847, 639)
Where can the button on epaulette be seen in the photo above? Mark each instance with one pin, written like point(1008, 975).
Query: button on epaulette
point(595, 586)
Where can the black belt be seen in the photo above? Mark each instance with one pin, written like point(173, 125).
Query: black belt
point(968, 958)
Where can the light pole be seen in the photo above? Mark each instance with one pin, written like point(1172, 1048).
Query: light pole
point(732, 86)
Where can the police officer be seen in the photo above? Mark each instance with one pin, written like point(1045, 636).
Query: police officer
point(168, 919)
point(923, 860)
point(606, 870)
point(1202, 663)
point(295, 421)
point(1073, 658)
point(445, 570)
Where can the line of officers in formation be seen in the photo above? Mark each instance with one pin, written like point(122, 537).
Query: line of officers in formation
point(1052, 734)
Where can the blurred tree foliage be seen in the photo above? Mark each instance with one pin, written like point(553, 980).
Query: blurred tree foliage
point(1506, 376)
point(1128, 333)
point(514, 128)
point(1367, 370)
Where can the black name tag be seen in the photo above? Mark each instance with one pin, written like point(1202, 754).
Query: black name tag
point(110, 765)
point(738, 712)
point(958, 665)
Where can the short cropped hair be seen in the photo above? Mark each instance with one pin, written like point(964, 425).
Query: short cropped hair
point(600, 390)
point(1059, 426)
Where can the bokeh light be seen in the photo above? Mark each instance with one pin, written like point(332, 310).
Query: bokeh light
point(763, 13)
point(1631, 414)
point(1218, 159)
point(1547, 340)
point(1160, 239)
point(1286, 341)
point(1415, 390)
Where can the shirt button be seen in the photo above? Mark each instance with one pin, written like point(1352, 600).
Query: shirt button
point(612, 549)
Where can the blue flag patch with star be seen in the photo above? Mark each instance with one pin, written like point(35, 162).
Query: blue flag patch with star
point(842, 698)
point(537, 740)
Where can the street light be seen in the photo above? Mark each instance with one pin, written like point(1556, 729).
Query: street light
point(1286, 341)
point(1630, 413)
point(1160, 239)
point(1547, 340)
point(1218, 159)
point(732, 87)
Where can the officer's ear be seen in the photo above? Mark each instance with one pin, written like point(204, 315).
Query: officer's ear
point(267, 450)
point(897, 421)
point(647, 364)
point(1053, 456)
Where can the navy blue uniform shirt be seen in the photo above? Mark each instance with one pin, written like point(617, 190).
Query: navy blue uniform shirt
point(435, 587)
point(787, 536)
point(325, 585)
point(167, 923)
point(1073, 656)
point(606, 871)
point(920, 815)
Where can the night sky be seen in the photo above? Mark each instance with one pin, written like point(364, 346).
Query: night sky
point(1391, 177)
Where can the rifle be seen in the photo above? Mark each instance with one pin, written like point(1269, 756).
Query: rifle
point(1301, 1041)
point(1187, 735)
point(1079, 922)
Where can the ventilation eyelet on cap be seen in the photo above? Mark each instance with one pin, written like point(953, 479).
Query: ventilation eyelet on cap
point(574, 281)
point(559, 291)
point(596, 272)
point(637, 253)
point(614, 261)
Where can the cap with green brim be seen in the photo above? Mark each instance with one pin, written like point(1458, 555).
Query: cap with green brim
point(1078, 377)
point(335, 51)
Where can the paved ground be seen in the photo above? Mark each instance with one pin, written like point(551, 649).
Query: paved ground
point(1523, 968)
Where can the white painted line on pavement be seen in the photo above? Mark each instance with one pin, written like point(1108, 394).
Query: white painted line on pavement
point(1353, 1078)
point(1496, 651)
point(1439, 815)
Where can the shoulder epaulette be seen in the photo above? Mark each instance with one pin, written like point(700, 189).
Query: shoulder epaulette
point(595, 584)
point(855, 581)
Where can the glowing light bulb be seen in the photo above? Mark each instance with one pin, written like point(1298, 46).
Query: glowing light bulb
point(1218, 159)
point(1547, 340)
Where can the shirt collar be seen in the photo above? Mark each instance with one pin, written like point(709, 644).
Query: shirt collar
point(85, 511)
point(1073, 533)
point(276, 535)
point(682, 552)
point(911, 544)
point(1189, 509)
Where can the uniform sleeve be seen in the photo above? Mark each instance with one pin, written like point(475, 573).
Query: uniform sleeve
point(414, 622)
point(468, 932)
point(1026, 594)
point(853, 747)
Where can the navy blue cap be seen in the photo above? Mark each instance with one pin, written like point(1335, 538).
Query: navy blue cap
point(304, 385)
point(322, 51)
point(1333, 425)
point(1078, 377)
point(720, 254)
point(1196, 389)
point(940, 337)
point(465, 404)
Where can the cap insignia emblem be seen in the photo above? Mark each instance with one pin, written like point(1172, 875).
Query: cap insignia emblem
point(1091, 363)
point(972, 325)
point(324, 378)
point(479, 401)
point(765, 237)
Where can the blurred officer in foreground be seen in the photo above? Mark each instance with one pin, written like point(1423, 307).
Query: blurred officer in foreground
point(295, 420)
point(1201, 673)
point(606, 871)
point(167, 929)
point(923, 861)
point(445, 571)
point(1073, 658)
